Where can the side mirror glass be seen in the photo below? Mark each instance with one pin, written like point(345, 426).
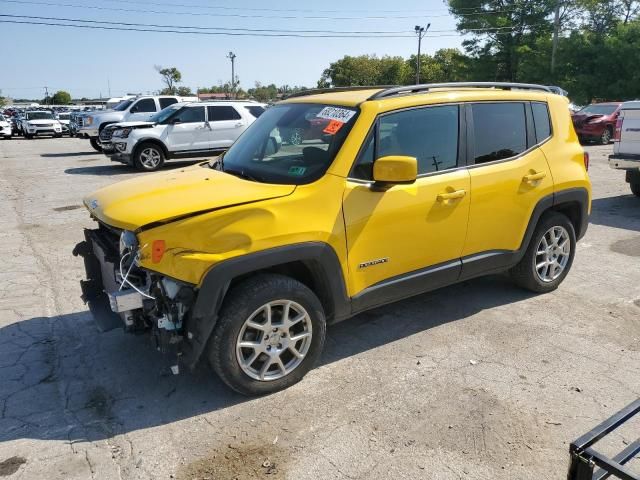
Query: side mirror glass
point(395, 170)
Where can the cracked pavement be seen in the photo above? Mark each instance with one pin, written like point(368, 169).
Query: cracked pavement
point(476, 381)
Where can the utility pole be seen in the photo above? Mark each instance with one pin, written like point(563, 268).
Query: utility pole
point(556, 32)
point(421, 32)
point(46, 95)
point(232, 56)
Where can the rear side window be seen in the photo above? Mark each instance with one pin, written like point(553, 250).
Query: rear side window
point(541, 121)
point(165, 102)
point(429, 134)
point(190, 115)
point(144, 106)
point(255, 110)
point(500, 131)
point(220, 113)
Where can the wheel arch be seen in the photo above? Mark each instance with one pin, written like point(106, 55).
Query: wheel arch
point(143, 140)
point(315, 264)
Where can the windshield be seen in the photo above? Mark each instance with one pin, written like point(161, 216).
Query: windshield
point(599, 109)
point(290, 144)
point(64, 116)
point(123, 105)
point(165, 113)
point(39, 116)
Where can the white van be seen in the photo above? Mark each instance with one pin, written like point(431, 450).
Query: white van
point(626, 146)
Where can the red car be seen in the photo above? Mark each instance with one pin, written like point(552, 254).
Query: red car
point(597, 122)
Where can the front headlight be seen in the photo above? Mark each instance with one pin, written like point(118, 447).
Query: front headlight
point(128, 242)
point(122, 133)
point(29, 124)
point(88, 121)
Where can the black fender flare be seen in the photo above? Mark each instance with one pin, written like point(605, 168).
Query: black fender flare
point(320, 258)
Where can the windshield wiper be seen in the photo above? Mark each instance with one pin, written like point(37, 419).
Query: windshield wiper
point(241, 174)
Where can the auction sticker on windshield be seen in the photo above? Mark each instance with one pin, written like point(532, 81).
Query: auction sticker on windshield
point(334, 113)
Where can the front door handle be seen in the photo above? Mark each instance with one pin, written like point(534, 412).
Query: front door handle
point(443, 197)
point(534, 177)
point(239, 124)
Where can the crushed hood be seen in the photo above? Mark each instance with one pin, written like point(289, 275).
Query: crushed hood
point(167, 196)
point(132, 124)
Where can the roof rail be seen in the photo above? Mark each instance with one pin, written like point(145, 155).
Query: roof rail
point(413, 89)
point(317, 91)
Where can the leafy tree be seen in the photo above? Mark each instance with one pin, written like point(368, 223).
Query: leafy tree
point(184, 92)
point(61, 98)
point(3, 100)
point(502, 29)
point(170, 76)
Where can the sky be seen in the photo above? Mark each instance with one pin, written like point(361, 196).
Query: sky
point(101, 63)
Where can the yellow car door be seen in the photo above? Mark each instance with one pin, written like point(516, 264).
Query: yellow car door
point(509, 176)
point(407, 238)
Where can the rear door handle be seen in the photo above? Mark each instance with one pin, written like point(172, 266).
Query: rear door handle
point(534, 177)
point(443, 197)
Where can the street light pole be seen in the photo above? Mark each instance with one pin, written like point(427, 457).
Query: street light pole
point(232, 57)
point(421, 32)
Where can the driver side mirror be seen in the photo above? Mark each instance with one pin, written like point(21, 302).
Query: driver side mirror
point(395, 170)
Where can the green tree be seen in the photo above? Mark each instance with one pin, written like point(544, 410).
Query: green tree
point(184, 92)
point(170, 77)
point(3, 100)
point(61, 98)
point(502, 30)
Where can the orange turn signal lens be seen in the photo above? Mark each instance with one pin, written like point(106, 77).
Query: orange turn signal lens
point(157, 250)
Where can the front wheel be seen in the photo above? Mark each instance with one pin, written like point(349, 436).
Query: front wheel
point(149, 157)
point(549, 255)
point(269, 334)
point(95, 144)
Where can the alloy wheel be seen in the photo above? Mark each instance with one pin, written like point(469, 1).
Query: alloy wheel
point(150, 157)
point(553, 254)
point(274, 340)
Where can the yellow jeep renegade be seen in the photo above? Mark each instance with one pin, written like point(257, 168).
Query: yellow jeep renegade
point(331, 203)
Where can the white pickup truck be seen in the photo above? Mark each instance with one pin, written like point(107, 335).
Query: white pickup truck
point(626, 147)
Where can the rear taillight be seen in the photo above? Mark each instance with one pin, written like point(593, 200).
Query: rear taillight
point(586, 160)
point(618, 133)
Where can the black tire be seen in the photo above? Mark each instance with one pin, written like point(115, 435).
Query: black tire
point(635, 188)
point(141, 151)
point(525, 274)
point(28, 136)
point(95, 144)
point(241, 302)
point(607, 135)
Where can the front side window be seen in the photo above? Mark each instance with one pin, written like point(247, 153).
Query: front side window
point(166, 101)
point(255, 110)
point(190, 115)
point(429, 134)
point(145, 105)
point(291, 143)
point(500, 131)
point(220, 113)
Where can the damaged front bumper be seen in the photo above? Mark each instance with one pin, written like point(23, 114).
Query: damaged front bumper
point(121, 294)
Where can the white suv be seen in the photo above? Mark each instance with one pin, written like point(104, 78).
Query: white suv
point(138, 108)
point(626, 146)
point(182, 130)
point(40, 123)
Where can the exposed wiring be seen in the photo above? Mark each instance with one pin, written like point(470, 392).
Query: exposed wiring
point(126, 280)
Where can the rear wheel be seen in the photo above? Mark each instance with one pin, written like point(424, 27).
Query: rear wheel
point(95, 144)
point(149, 157)
point(606, 136)
point(269, 334)
point(549, 255)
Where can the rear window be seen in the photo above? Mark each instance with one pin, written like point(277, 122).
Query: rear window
point(165, 102)
point(500, 131)
point(221, 113)
point(255, 110)
point(541, 121)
